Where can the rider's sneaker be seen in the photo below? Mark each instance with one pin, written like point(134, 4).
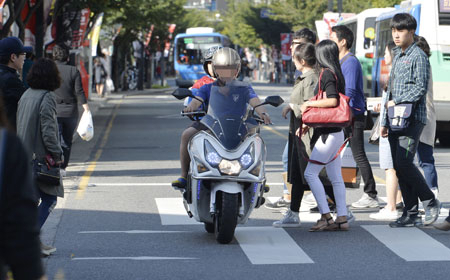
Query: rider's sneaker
point(290, 219)
point(281, 203)
point(179, 184)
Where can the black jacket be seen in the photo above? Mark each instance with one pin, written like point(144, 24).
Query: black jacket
point(19, 230)
point(12, 89)
point(70, 92)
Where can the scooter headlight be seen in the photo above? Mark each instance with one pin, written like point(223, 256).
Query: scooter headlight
point(211, 156)
point(230, 167)
point(247, 158)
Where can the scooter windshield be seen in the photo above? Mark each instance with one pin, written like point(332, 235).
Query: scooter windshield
point(227, 109)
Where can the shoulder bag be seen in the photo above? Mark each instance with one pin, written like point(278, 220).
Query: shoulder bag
point(339, 116)
point(43, 171)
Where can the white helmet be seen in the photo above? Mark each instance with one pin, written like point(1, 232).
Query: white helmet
point(226, 58)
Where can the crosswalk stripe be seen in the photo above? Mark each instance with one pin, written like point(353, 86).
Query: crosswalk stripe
point(410, 244)
point(136, 231)
point(268, 245)
point(142, 258)
point(172, 212)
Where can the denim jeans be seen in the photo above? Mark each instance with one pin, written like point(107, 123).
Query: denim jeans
point(67, 127)
point(411, 181)
point(426, 162)
point(48, 203)
point(359, 154)
point(284, 159)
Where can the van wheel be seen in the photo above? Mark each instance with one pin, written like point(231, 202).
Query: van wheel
point(225, 220)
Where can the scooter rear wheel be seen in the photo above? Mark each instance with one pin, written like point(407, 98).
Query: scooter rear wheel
point(225, 220)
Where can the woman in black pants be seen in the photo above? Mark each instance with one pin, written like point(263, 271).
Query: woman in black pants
point(68, 95)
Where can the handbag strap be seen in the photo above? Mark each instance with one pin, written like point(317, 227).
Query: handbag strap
point(320, 78)
point(338, 152)
point(37, 125)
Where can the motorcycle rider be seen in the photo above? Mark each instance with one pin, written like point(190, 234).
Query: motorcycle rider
point(225, 66)
point(196, 126)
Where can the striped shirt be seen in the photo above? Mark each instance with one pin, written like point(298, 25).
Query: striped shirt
point(408, 82)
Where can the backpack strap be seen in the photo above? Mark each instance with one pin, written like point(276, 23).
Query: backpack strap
point(2, 156)
point(346, 57)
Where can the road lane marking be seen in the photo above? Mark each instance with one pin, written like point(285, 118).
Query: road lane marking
point(142, 258)
point(172, 212)
point(410, 244)
point(148, 184)
point(130, 231)
point(269, 245)
point(276, 132)
point(87, 175)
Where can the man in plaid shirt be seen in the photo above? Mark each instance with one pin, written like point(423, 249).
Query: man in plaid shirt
point(408, 84)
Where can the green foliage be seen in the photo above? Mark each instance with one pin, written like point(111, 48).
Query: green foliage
point(245, 27)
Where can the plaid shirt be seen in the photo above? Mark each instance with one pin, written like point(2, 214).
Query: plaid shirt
point(409, 80)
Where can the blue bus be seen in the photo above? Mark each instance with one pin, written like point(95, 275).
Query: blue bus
point(188, 53)
point(433, 23)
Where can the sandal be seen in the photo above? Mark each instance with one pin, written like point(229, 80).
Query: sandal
point(337, 226)
point(320, 226)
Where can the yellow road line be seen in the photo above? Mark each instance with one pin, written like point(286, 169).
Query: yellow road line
point(274, 131)
point(87, 174)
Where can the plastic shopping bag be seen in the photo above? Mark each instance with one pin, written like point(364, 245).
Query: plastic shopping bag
point(86, 127)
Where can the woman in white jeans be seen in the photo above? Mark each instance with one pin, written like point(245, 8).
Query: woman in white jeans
point(327, 140)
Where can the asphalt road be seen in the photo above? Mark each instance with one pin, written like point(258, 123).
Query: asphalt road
point(120, 219)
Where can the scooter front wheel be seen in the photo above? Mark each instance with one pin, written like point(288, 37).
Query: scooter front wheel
point(209, 227)
point(225, 220)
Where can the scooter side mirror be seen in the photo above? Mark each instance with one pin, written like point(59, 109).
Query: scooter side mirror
point(182, 93)
point(274, 100)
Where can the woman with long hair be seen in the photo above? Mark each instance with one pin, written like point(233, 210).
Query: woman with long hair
point(327, 140)
point(305, 61)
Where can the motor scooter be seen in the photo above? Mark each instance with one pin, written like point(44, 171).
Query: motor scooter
point(226, 178)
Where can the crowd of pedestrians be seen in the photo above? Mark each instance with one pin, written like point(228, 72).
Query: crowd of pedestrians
point(37, 122)
point(410, 81)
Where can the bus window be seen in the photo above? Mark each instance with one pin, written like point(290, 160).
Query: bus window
point(385, 36)
point(352, 26)
point(189, 49)
point(444, 12)
point(369, 32)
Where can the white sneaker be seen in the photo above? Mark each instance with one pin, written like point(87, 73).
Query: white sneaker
point(384, 215)
point(366, 202)
point(47, 250)
point(309, 200)
point(290, 219)
point(436, 192)
point(63, 172)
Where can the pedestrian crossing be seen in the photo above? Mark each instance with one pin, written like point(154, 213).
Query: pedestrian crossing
point(265, 245)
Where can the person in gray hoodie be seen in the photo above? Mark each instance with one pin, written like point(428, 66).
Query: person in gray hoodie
point(37, 127)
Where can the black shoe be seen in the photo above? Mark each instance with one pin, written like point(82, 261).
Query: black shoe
point(316, 209)
point(399, 206)
point(407, 221)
